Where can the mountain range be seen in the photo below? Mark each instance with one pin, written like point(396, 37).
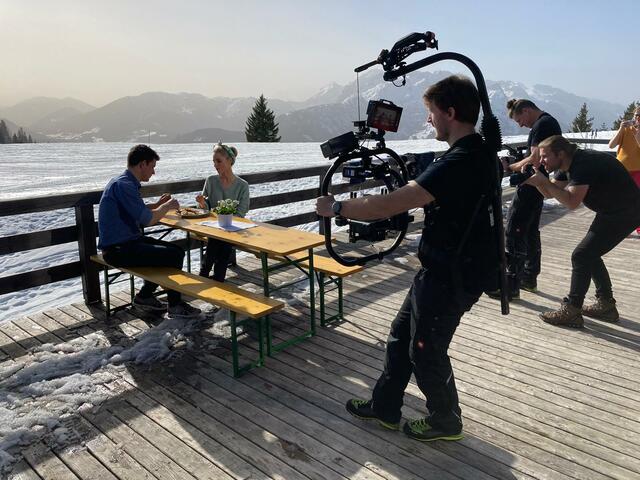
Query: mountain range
point(188, 117)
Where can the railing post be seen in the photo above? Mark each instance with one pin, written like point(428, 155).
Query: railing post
point(85, 222)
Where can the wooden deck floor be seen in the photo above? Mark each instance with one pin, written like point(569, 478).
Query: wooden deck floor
point(538, 402)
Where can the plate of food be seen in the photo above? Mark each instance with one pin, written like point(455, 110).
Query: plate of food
point(192, 212)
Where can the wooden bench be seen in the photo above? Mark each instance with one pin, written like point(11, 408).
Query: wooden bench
point(329, 272)
point(255, 306)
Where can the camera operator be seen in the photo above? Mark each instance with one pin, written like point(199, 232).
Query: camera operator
point(458, 256)
point(522, 233)
point(603, 184)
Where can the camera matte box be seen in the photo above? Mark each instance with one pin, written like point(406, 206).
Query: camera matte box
point(337, 145)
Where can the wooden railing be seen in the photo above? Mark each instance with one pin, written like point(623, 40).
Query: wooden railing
point(85, 229)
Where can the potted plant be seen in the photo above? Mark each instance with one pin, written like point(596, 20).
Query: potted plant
point(225, 210)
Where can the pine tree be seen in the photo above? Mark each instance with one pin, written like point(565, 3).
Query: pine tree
point(30, 140)
point(582, 122)
point(627, 115)
point(5, 136)
point(261, 125)
point(22, 136)
point(14, 139)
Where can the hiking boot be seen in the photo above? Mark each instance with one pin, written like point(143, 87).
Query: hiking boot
point(566, 316)
point(529, 285)
point(149, 304)
point(363, 410)
point(423, 431)
point(183, 310)
point(602, 309)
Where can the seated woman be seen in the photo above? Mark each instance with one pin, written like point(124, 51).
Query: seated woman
point(223, 186)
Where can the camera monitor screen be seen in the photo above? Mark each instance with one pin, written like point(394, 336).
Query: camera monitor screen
point(383, 116)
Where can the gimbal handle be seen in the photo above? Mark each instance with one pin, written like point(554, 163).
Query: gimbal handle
point(362, 152)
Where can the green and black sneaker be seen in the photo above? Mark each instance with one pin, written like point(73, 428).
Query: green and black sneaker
point(363, 410)
point(529, 285)
point(421, 430)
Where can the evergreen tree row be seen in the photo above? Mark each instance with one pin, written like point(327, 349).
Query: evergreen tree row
point(19, 137)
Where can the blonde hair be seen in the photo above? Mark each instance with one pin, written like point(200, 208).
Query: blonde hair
point(229, 151)
point(557, 144)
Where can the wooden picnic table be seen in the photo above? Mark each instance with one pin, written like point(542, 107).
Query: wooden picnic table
point(266, 241)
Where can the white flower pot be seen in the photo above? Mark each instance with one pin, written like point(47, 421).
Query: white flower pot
point(225, 220)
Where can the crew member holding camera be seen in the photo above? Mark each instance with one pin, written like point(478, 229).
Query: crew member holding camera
point(458, 256)
point(600, 182)
point(522, 233)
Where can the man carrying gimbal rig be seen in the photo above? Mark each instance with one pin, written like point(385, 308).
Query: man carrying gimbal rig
point(522, 233)
point(458, 258)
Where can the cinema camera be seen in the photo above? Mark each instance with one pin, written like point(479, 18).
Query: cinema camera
point(382, 116)
point(518, 178)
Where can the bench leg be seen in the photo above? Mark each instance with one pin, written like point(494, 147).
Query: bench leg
point(107, 298)
point(323, 282)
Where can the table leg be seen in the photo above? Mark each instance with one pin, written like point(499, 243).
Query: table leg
point(312, 294)
point(264, 258)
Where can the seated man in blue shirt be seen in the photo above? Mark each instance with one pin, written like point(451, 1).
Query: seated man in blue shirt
point(122, 212)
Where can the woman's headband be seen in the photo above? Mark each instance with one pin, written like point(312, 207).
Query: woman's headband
point(228, 150)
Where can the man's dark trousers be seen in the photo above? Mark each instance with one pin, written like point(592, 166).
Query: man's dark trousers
point(147, 252)
point(522, 234)
point(418, 343)
point(605, 233)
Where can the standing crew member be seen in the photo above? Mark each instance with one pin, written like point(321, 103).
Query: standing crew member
point(522, 233)
point(458, 258)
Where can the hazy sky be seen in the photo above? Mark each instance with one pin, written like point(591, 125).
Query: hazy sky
point(98, 51)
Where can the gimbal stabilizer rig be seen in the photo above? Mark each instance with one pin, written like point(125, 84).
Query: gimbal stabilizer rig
point(348, 149)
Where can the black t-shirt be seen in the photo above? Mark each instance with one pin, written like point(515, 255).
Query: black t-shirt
point(544, 127)
point(611, 188)
point(461, 183)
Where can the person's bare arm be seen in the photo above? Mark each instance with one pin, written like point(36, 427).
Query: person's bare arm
point(160, 211)
point(532, 159)
point(617, 138)
point(373, 207)
point(570, 196)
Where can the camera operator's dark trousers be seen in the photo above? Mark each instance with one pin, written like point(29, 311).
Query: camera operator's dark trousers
point(604, 234)
point(522, 235)
point(147, 252)
point(418, 344)
point(218, 256)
